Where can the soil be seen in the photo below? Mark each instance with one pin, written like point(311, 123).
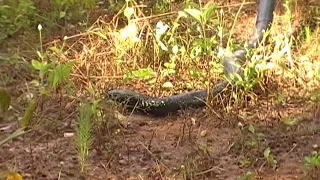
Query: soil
point(194, 144)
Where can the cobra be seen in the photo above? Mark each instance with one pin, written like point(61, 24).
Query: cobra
point(170, 105)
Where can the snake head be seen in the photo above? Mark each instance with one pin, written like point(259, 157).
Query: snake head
point(127, 97)
point(116, 95)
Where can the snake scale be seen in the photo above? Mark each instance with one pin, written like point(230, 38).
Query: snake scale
point(170, 105)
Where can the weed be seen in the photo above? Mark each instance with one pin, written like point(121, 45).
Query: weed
point(17, 133)
point(161, 6)
point(83, 136)
point(195, 166)
point(251, 144)
point(56, 74)
point(270, 158)
point(289, 121)
point(187, 172)
point(5, 100)
point(313, 160)
point(25, 121)
point(16, 16)
point(312, 166)
point(247, 176)
point(281, 98)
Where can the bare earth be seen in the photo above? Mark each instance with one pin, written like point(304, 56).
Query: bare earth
point(192, 144)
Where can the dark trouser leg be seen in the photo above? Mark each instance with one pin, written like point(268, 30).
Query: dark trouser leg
point(264, 19)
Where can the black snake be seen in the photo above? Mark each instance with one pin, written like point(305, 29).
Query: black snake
point(169, 105)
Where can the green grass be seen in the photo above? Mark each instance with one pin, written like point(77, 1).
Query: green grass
point(83, 137)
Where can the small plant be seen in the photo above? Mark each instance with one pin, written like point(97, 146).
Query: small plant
point(202, 16)
point(251, 143)
point(25, 121)
point(53, 72)
point(16, 16)
point(247, 176)
point(253, 75)
point(281, 98)
point(313, 160)
point(245, 161)
point(71, 9)
point(83, 136)
point(142, 74)
point(161, 6)
point(5, 100)
point(289, 121)
point(312, 166)
point(186, 172)
point(270, 158)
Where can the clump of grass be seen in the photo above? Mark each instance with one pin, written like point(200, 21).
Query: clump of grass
point(247, 176)
point(312, 166)
point(83, 136)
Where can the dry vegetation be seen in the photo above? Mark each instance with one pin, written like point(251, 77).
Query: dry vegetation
point(59, 126)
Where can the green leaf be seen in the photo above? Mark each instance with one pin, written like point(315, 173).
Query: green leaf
point(266, 153)
point(13, 135)
point(152, 81)
point(39, 54)
point(195, 72)
point(36, 64)
point(128, 76)
point(167, 85)
point(44, 91)
point(60, 74)
point(313, 160)
point(251, 128)
point(62, 14)
point(5, 100)
point(207, 13)
point(195, 13)
point(144, 73)
point(288, 121)
point(28, 113)
point(247, 176)
point(43, 67)
point(182, 14)
point(216, 22)
point(270, 159)
point(56, 50)
point(170, 65)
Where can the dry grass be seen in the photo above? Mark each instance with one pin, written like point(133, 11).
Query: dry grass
point(103, 57)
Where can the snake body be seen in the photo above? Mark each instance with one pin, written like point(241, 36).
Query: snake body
point(169, 105)
point(163, 106)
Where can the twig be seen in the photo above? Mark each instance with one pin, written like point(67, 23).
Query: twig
point(234, 22)
point(209, 170)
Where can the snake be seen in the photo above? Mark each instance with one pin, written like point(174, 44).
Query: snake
point(165, 106)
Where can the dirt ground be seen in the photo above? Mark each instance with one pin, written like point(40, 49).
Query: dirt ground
point(194, 144)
